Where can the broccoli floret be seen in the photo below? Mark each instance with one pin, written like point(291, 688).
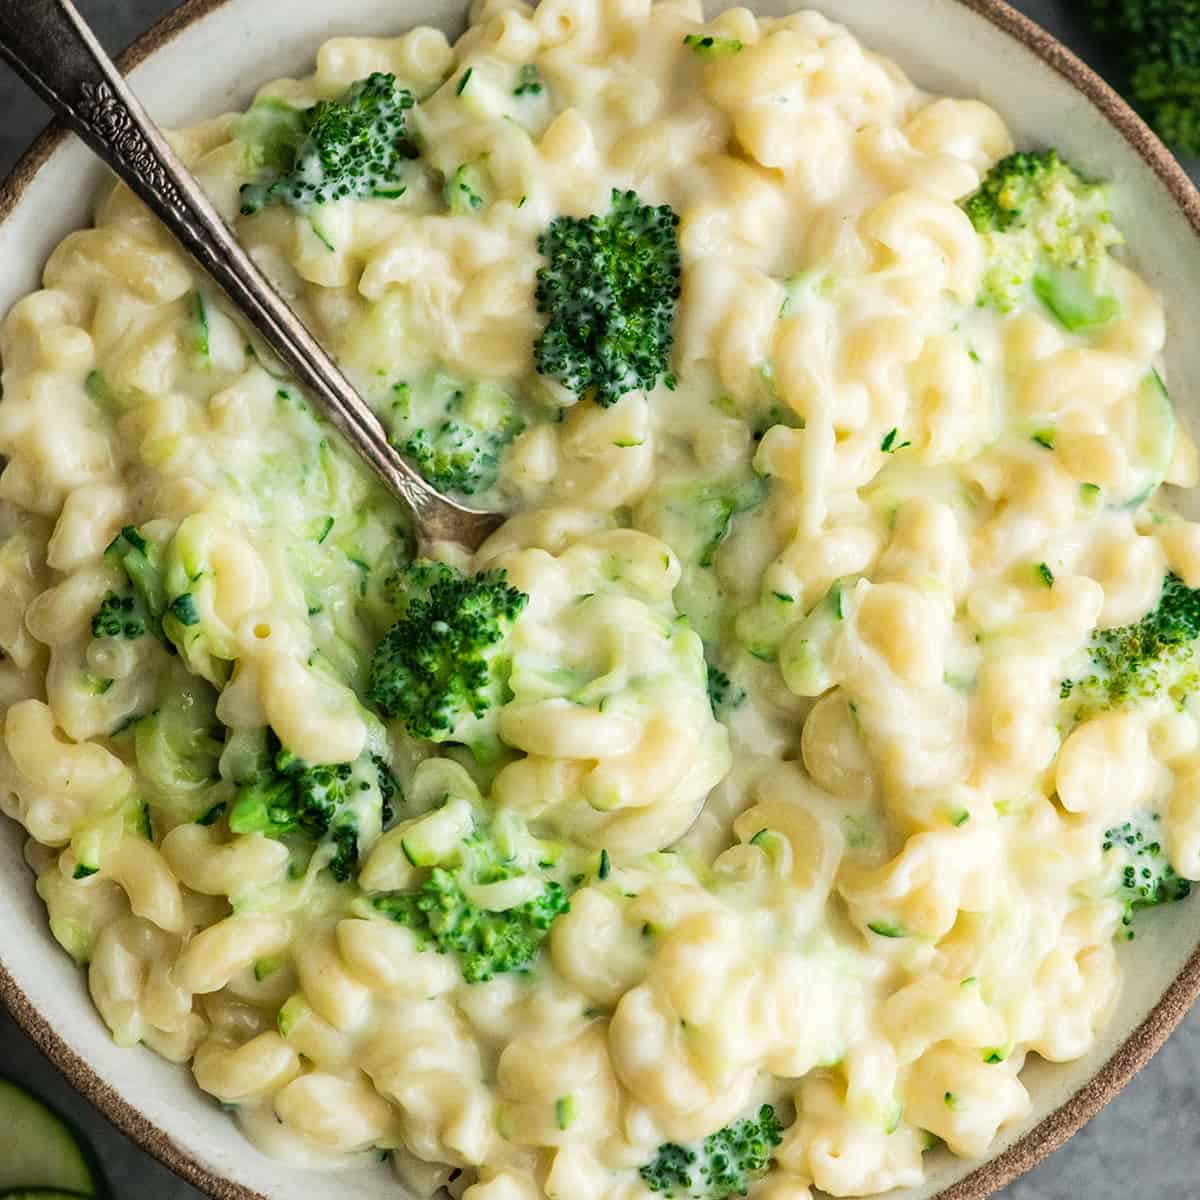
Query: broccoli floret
point(344, 863)
point(1047, 228)
point(349, 148)
point(724, 1165)
point(119, 616)
point(1145, 878)
point(454, 433)
point(449, 914)
point(443, 668)
point(1156, 44)
point(318, 803)
point(609, 293)
point(1154, 656)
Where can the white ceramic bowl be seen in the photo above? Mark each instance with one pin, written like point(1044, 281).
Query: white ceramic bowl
point(209, 57)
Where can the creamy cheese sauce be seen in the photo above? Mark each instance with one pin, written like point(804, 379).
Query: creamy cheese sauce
point(864, 881)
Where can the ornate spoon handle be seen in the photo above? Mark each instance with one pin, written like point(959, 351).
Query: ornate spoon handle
point(50, 45)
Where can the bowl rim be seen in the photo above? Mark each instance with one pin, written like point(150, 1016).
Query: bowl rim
point(1054, 1129)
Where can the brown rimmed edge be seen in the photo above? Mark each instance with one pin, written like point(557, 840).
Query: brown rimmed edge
point(1049, 1134)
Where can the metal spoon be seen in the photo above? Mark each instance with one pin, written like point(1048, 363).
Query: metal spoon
point(52, 48)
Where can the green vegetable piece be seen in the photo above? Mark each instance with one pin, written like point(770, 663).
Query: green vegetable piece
point(443, 667)
point(264, 968)
point(1155, 49)
point(337, 805)
point(725, 1164)
point(706, 46)
point(183, 609)
point(529, 82)
point(465, 190)
point(102, 392)
point(1044, 574)
point(1131, 663)
point(271, 130)
point(1135, 854)
point(200, 329)
point(723, 695)
point(1048, 230)
point(609, 292)
point(179, 745)
point(120, 616)
point(564, 1112)
point(42, 1155)
point(295, 1009)
point(141, 560)
point(446, 913)
point(352, 148)
point(41, 1194)
point(1075, 298)
point(456, 434)
point(888, 929)
point(1154, 445)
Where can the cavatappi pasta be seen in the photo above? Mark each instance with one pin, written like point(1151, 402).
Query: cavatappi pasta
point(868, 891)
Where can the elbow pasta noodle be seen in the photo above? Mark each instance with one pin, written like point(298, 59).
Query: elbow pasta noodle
point(801, 705)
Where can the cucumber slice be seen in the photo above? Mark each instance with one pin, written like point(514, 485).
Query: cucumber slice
point(1155, 444)
point(41, 1151)
point(40, 1194)
point(435, 837)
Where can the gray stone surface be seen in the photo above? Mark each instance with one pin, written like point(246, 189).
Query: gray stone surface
point(1147, 1142)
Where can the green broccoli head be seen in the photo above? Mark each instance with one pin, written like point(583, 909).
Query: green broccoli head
point(609, 292)
point(120, 615)
point(481, 904)
point(1156, 44)
point(1144, 877)
point(454, 433)
point(344, 836)
point(318, 803)
point(1048, 229)
point(723, 1165)
point(443, 668)
point(1152, 657)
point(350, 148)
